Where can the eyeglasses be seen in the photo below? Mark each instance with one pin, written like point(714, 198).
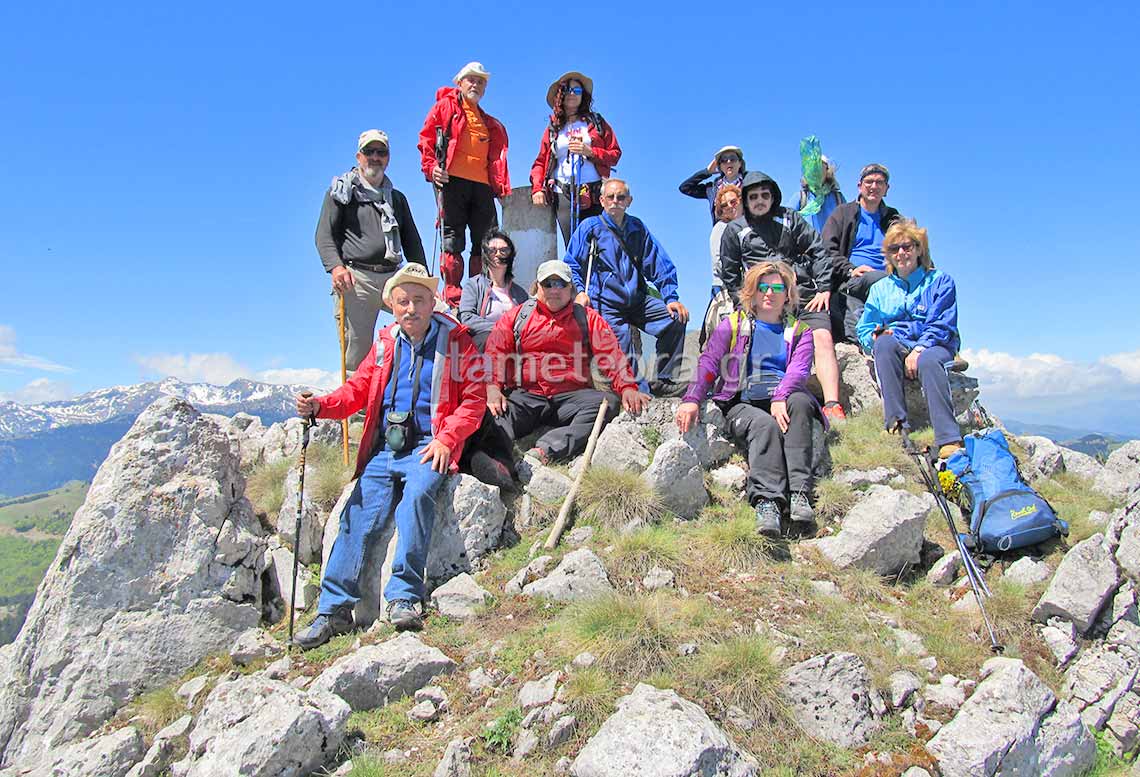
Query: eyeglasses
point(370, 152)
point(775, 288)
point(763, 194)
point(497, 251)
point(874, 181)
point(894, 248)
point(615, 197)
point(729, 158)
point(574, 90)
point(554, 283)
point(727, 203)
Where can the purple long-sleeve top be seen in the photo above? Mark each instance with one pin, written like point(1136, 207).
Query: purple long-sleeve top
point(719, 371)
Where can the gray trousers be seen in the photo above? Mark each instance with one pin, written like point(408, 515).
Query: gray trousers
point(890, 369)
point(572, 415)
point(362, 306)
point(778, 462)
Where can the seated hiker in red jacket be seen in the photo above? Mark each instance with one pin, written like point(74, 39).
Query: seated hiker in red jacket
point(472, 174)
point(422, 388)
point(540, 368)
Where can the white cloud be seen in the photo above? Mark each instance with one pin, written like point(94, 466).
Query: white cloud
point(39, 390)
point(221, 368)
point(10, 355)
point(1048, 376)
point(1127, 363)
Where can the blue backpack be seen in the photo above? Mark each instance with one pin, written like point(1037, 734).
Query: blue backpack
point(1005, 512)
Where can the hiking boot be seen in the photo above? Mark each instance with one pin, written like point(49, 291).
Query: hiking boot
point(402, 614)
point(325, 627)
point(802, 512)
point(667, 389)
point(491, 471)
point(538, 453)
point(896, 426)
point(958, 364)
point(949, 449)
point(768, 518)
point(834, 412)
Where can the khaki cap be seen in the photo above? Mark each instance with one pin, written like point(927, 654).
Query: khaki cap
point(411, 273)
point(552, 92)
point(471, 69)
point(371, 136)
point(725, 149)
point(555, 267)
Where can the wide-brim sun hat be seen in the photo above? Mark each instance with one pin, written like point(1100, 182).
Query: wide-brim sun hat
point(472, 69)
point(552, 92)
point(411, 273)
point(739, 152)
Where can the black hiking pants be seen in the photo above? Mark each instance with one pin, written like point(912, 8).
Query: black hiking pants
point(778, 462)
point(572, 415)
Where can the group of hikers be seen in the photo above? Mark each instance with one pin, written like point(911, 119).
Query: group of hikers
point(469, 369)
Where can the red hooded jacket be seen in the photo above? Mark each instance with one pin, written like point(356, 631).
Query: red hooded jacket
point(554, 358)
point(458, 389)
point(448, 113)
point(603, 143)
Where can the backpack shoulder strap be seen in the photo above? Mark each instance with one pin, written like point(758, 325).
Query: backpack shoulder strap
point(738, 323)
point(584, 325)
point(525, 311)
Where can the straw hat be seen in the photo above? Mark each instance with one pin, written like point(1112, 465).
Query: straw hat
point(552, 92)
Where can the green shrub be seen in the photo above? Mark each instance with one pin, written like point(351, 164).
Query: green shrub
point(501, 733)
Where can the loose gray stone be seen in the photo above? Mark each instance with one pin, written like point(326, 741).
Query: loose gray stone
point(945, 569)
point(830, 696)
point(539, 692)
point(279, 668)
point(1121, 471)
point(579, 535)
point(378, 674)
point(1081, 464)
point(676, 475)
point(190, 689)
point(658, 733)
point(1060, 643)
point(730, 477)
point(1012, 725)
point(825, 588)
point(909, 643)
point(548, 485)
point(424, 711)
point(1128, 551)
point(581, 575)
point(460, 597)
point(857, 478)
point(882, 532)
point(528, 574)
point(688, 649)
point(1084, 581)
point(561, 731)
point(478, 679)
point(526, 742)
point(254, 725)
point(254, 645)
point(110, 755)
point(584, 660)
point(622, 446)
point(945, 694)
point(1027, 572)
point(456, 761)
point(160, 567)
point(1045, 457)
point(903, 686)
point(658, 577)
point(158, 757)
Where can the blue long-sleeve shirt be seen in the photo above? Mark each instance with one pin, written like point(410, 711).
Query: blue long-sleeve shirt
point(921, 309)
point(615, 275)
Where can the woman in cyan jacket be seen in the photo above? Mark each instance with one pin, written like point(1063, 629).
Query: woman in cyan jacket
point(486, 297)
point(755, 366)
point(577, 146)
point(910, 326)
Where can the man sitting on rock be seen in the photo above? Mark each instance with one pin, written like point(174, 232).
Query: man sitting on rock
point(541, 368)
point(615, 280)
point(421, 387)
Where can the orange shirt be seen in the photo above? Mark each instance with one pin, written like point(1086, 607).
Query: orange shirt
point(471, 147)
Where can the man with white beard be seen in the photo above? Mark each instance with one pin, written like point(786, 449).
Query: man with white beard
point(364, 234)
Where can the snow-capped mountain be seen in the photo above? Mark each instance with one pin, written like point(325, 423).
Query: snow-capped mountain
point(268, 401)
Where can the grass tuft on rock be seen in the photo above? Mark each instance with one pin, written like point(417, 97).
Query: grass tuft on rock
point(591, 694)
point(329, 474)
point(741, 671)
point(733, 543)
point(833, 500)
point(265, 486)
point(1073, 498)
point(616, 499)
point(636, 552)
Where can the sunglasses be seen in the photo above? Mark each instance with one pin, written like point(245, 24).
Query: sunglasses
point(554, 283)
point(763, 194)
point(574, 90)
point(496, 251)
point(776, 288)
point(724, 159)
point(894, 248)
point(369, 152)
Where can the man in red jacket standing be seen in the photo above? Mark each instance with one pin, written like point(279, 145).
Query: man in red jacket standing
point(547, 369)
point(422, 388)
point(471, 176)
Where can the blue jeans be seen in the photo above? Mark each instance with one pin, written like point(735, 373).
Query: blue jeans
point(889, 356)
point(391, 483)
point(651, 316)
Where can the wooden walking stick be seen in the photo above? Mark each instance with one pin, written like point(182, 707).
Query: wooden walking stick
point(564, 513)
point(343, 377)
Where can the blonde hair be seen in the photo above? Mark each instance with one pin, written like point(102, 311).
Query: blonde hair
point(728, 188)
point(907, 229)
point(758, 271)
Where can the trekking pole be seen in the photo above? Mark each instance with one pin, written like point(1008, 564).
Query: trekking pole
point(568, 502)
point(973, 574)
point(575, 182)
point(441, 160)
point(343, 377)
point(305, 426)
point(591, 256)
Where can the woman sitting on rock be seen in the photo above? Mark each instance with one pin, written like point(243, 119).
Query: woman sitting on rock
point(755, 366)
point(910, 326)
point(489, 295)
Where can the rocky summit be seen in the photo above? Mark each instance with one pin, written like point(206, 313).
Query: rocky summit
point(662, 637)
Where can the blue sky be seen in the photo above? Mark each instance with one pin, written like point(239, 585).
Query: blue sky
point(163, 168)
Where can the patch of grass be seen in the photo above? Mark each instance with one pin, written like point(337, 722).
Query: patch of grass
point(591, 694)
point(329, 475)
point(616, 499)
point(863, 444)
point(159, 708)
point(949, 636)
point(265, 486)
point(501, 733)
point(833, 500)
point(1073, 498)
point(733, 543)
point(741, 671)
point(368, 765)
point(384, 724)
point(49, 511)
point(1108, 763)
point(639, 551)
point(652, 437)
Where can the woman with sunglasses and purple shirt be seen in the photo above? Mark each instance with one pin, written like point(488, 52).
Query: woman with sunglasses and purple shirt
point(578, 147)
point(727, 166)
point(755, 367)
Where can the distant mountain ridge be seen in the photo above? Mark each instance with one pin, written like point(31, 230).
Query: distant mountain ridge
point(1095, 444)
point(43, 446)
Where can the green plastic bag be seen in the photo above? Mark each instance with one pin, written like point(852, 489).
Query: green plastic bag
point(811, 165)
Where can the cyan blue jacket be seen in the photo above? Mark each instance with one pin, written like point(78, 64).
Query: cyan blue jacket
point(617, 277)
point(921, 309)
